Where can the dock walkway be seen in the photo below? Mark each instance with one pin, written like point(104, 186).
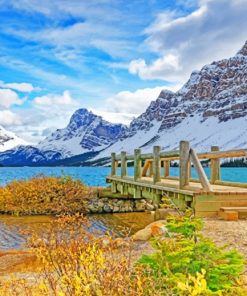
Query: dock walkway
point(205, 196)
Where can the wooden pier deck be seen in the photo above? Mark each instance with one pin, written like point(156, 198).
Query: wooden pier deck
point(152, 179)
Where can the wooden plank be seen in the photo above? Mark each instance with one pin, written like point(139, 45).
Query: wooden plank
point(150, 185)
point(145, 168)
point(223, 154)
point(166, 164)
point(215, 166)
point(215, 206)
point(151, 169)
point(174, 155)
point(232, 184)
point(228, 197)
point(123, 164)
point(184, 164)
point(156, 164)
point(137, 164)
point(200, 171)
point(113, 164)
point(240, 209)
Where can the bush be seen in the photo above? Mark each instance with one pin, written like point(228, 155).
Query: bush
point(75, 263)
point(44, 195)
point(187, 261)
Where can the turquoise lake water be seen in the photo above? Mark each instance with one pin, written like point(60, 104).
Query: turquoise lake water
point(95, 176)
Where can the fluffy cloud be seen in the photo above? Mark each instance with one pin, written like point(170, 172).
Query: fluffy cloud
point(8, 118)
point(136, 102)
point(186, 43)
point(8, 97)
point(50, 100)
point(21, 87)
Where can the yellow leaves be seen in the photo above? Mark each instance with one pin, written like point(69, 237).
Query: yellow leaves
point(194, 285)
point(42, 195)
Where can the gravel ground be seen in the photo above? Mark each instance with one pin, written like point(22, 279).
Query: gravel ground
point(231, 233)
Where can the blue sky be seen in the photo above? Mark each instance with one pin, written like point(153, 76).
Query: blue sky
point(112, 57)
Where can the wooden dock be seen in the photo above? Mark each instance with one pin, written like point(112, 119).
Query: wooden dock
point(152, 179)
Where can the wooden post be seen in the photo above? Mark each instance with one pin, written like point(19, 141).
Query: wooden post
point(123, 164)
point(137, 164)
point(200, 171)
point(184, 159)
point(166, 164)
point(113, 164)
point(151, 171)
point(156, 164)
point(215, 166)
point(145, 168)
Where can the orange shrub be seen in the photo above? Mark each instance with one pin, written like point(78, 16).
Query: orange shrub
point(44, 195)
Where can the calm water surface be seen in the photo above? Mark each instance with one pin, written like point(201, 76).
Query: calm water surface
point(13, 237)
point(95, 176)
point(11, 228)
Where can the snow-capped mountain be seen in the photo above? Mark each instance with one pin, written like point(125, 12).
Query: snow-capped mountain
point(210, 109)
point(8, 140)
point(28, 155)
point(85, 132)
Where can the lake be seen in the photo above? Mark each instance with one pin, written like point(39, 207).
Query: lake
point(11, 228)
point(95, 176)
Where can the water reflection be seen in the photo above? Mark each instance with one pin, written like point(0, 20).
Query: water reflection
point(13, 229)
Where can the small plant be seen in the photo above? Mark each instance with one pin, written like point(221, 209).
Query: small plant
point(190, 259)
point(44, 195)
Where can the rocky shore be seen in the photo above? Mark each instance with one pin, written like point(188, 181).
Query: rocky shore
point(99, 205)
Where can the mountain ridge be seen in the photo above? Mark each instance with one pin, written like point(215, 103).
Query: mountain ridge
point(210, 109)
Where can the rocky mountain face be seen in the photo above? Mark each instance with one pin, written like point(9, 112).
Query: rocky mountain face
point(9, 140)
point(85, 133)
point(28, 155)
point(210, 109)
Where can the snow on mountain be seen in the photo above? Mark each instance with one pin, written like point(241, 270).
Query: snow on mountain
point(85, 132)
point(210, 109)
point(28, 155)
point(8, 140)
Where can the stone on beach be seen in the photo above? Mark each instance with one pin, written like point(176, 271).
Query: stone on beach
point(156, 228)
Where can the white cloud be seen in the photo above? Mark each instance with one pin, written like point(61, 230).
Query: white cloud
point(21, 87)
point(8, 97)
point(48, 112)
point(50, 100)
point(186, 43)
point(8, 118)
point(136, 102)
point(124, 118)
point(167, 63)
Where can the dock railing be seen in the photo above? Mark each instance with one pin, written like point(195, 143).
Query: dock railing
point(150, 164)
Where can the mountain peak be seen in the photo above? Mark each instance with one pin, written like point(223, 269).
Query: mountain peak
point(8, 140)
point(243, 51)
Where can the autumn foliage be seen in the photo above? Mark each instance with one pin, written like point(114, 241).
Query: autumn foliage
point(44, 195)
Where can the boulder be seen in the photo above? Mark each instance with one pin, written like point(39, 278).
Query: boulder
point(156, 228)
point(142, 235)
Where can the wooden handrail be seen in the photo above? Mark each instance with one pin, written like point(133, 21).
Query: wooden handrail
point(174, 155)
point(185, 155)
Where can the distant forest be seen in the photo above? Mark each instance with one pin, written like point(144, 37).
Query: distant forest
point(239, 163)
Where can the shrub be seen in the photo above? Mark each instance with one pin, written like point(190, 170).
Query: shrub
point(76, 263)
point(44, 195)
point(73, 262)
point(187, 261)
